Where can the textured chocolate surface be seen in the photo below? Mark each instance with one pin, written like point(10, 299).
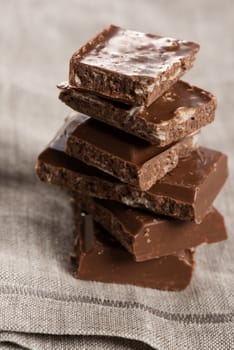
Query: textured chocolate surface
point(124, 156)
point(180, 111)
point(129, 66)
point(186, 193)
point(101, 258)
point(147, 236)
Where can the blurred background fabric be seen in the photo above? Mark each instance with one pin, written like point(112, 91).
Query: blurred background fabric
point(37, 39)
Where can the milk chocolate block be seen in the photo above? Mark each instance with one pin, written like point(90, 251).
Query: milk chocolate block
point(147, 236)
point(124, 156)
point(187, 193)
point(129, 66)
point(180, 111)
point(101, 258)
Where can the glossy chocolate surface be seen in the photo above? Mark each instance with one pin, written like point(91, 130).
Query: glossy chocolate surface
point(55, 154)
point(114, 141)
point(129, 159)
point(185, 180)
point(129, 66)
point(137, 54)
point(180, 102)
point(183, 109)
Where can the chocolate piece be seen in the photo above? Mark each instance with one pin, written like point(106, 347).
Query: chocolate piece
point(147, 236)
point(101, 258)
point(187, 193)
point(129, 66)
point(180, 111)
point(124, 156)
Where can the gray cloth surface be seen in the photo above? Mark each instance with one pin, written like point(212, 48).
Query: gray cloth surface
point(42, 306)
point(50, 342)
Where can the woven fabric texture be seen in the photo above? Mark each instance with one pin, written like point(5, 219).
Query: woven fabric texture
point(42, 306)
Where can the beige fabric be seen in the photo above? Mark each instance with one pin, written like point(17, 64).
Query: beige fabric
point(41, 305)
point(50, 342)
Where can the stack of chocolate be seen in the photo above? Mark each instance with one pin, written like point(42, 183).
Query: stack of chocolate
point(132, 163)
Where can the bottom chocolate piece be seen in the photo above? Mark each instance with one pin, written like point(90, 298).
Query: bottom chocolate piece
point(101, 258)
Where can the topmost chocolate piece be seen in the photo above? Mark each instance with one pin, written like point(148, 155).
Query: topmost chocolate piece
point(129, 66)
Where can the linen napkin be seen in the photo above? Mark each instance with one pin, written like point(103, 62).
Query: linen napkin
point(42, 306)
